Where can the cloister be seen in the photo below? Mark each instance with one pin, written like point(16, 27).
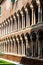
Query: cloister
point(21, 34)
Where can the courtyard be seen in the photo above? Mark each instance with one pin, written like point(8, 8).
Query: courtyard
point(5, 62)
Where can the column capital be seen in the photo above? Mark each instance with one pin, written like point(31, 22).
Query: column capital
point(38, 2)
point(6, 22)
point(2, 25)
point(8, 40)
point(21, 13)
point(14, 17)
point(11, 18)
point(21, 38)
point(17, 15)
point(17, 39)
point(31, 6)
point(25, 37)
point(13, 39)
point(26, 9)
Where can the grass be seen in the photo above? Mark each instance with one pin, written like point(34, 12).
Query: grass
point(2, 62)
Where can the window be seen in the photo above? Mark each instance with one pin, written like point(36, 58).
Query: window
point(0, 10)
point(13, 1)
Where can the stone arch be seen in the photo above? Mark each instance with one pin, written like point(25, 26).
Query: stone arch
point(28, 36)
point(33, 44)
point(33, 35)
point(20, 19)
point(24, 16)
point(16, 21)
point(40, 41)
point(29, 18)
point(28, 44)
point(40, 35)
point(19, 45)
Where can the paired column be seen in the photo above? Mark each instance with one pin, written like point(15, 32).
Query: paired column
point(33, 15)
point(18, 21)
point(18, 45)
point(14, 23)
point(31, 46)
point(39, 12)
point(11, 45)
point(6, 28)
point(27, 17)
point(14, 45)
point(38, 47)
point(22, 19)
point(11, 24)
point(22, 45)
point(26, 46)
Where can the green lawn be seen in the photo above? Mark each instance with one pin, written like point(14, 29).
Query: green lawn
point(5, 63)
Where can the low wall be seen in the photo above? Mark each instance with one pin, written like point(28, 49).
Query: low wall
point(23, 60)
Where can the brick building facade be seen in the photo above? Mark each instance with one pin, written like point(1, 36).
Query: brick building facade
point(21, 29)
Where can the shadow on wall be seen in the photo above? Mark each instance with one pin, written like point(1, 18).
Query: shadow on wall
point(28, 61)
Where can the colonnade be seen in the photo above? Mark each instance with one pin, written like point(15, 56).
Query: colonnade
point(21, 20)
point(26, 45)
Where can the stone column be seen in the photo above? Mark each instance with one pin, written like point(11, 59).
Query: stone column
point(18, 21)
point(15, 25)
point(6, 28)
point(22, 47)
point(3, 29)
point(41, 46)
point(41, 14)
point(11, 45)
point(14, 45)
point(26, 46)
point(11, 24)
point(8, 45)
point(27, 17)
point(39, 11)
point(4, 46)
point(38, 49)
point(34, 18)
point(32, 46)
point(18, 45)
point(22, 19)
point(32, 13)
